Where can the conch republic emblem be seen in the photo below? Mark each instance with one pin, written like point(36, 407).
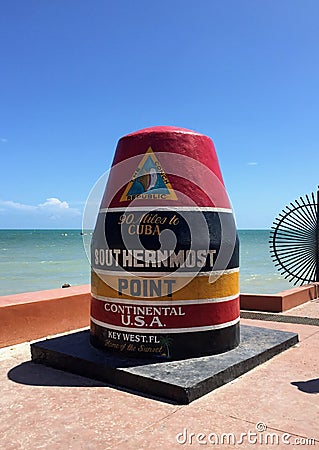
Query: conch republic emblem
point(165, 251)
point(149, 181)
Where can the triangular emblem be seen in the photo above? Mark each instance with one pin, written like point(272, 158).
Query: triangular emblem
point(149, 181)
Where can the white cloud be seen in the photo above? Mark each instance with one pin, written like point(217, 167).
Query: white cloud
point(53, 202)
point(9, 204)
point(253, 163)
point(52, 211)
point(3, 140)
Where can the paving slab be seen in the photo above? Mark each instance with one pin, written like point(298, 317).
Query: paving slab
point(282, 393)
point(46, 408)
point(303, 331)
point(309, 309)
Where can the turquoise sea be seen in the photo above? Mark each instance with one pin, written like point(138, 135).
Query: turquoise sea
point(32, 260)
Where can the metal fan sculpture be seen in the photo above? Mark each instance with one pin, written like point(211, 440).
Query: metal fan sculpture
point(294, 240)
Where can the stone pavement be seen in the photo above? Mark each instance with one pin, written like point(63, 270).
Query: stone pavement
point(268, 407)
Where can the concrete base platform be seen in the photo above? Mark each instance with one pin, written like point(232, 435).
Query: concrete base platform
point(177, 381)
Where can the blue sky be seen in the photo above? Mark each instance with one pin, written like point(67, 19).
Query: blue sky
point(76, 75)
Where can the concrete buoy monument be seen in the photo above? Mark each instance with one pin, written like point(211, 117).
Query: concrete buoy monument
point(165, 252)
point(165, 277)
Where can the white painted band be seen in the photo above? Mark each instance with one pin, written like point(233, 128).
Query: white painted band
point(159, 303)
point(165, 330)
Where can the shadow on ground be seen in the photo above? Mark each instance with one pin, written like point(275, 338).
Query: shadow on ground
point(32, 374)
point(310, 386)
point(40, 375)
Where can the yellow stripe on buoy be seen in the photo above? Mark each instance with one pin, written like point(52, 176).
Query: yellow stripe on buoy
point(163, 288)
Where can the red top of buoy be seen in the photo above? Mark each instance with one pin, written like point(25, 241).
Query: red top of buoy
point(161, 129)
point(165, 166)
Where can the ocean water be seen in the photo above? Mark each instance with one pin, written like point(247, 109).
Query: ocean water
point(32, 260)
